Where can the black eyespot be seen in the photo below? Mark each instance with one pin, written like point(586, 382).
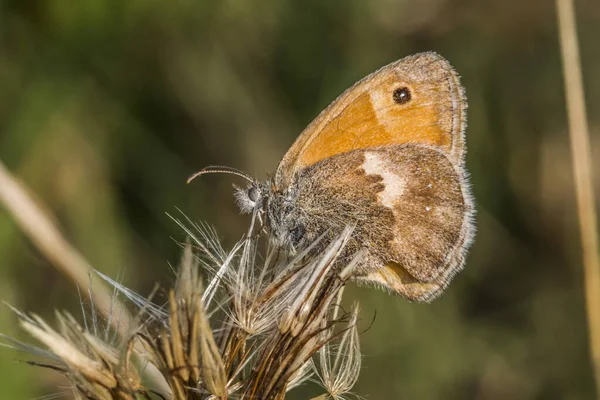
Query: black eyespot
point(402, 95)
point(253, 194)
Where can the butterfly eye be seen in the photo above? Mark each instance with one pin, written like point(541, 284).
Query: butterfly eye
point(402, 95)
point(253, 194)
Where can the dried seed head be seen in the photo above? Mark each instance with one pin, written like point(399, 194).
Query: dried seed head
point(252, 333)
point(339, 364)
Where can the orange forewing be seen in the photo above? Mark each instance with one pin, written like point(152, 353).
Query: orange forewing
point(366, 116)
point(358, 126)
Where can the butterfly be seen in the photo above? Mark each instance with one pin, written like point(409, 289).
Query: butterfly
point(388, 155)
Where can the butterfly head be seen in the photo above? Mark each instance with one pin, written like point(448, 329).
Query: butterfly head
point(276, 209)
point(251, 198)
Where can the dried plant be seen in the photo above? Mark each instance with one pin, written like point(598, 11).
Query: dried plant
point(581, 154)
point(251, 332)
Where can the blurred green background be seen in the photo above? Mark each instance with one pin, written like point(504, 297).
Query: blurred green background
point(107, 106)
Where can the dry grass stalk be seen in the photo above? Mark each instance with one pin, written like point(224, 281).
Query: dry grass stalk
point(36, 222)
point(34, 219)
point(251, 334)
point(582, 171)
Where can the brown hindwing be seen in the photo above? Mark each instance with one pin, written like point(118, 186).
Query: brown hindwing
point(412, 210)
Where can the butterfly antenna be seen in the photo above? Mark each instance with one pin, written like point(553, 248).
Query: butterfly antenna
point(217, 169)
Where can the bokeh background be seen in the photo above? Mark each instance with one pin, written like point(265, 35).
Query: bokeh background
point(107, 106)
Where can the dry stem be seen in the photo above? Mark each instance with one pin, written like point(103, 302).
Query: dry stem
point(38, 226)
point(582, 170)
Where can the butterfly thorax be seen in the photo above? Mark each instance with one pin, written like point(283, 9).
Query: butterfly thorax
point(284, 217)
